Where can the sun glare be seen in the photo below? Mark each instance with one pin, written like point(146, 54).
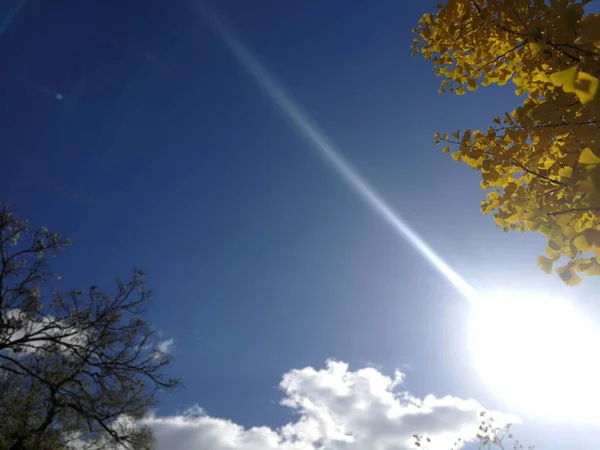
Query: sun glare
point(538, 354)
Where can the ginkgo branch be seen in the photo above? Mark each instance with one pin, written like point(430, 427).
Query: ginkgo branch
point(502, 27)
point(572, 210)
point(499, 57)
point(529, 171)
point(548, 125)
point(551, 191)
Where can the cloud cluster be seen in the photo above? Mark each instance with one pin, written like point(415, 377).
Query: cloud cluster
point(337, 410)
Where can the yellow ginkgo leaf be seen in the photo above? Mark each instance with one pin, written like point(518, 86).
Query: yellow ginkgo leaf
point(568, 275)
point(593, 236)
point(570, 250)
point(456, 156)
point(578, 82)
point(594, 269)
point(586, 87)
point(545, 264)
point(535, 47)
point(553, 249)
point(569, 231)
point(565, 172)
point(565, 79)
point(587, 157)
point(583, 264)
point(466, 138)
point(581, 243)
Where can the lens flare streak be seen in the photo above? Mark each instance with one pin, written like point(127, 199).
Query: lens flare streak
point(13, 11)
point(332, 155)
point(579, 337)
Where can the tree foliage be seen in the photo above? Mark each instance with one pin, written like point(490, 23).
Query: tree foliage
point(489, 436)
point(540, 163)
point(76, 369)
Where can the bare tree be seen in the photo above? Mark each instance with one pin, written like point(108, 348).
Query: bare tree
point(75, 368)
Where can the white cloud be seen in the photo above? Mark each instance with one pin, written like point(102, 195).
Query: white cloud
point(337, 410)
point(33, 336)
point(165, 346)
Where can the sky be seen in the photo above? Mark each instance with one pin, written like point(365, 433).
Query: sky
point(294, 313)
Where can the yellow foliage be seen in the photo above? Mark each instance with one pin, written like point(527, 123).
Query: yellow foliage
point(545, 263)
point(587, 157)
point(540, 163)
point(568, 275)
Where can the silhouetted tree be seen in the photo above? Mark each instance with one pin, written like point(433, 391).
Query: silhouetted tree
point(76, 369)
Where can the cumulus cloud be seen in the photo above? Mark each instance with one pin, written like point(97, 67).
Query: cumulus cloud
point(337, 409)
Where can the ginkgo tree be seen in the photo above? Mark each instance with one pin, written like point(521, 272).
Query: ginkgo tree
point(540, 163)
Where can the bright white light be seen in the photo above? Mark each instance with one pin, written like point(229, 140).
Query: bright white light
point(539, 354)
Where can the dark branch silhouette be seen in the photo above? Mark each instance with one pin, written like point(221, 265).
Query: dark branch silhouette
point(74, 366)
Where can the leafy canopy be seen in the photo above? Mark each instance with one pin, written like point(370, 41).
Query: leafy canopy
point(540, 163)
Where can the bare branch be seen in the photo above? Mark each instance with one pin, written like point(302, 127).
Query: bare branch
point(84, 362)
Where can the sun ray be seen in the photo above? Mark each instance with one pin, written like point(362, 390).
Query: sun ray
point(491, 320)
point(331, 154)
point(13, 11)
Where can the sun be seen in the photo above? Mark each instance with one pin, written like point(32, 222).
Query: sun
point(538, 354)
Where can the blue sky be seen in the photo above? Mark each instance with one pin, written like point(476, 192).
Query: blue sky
point(162, 152)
